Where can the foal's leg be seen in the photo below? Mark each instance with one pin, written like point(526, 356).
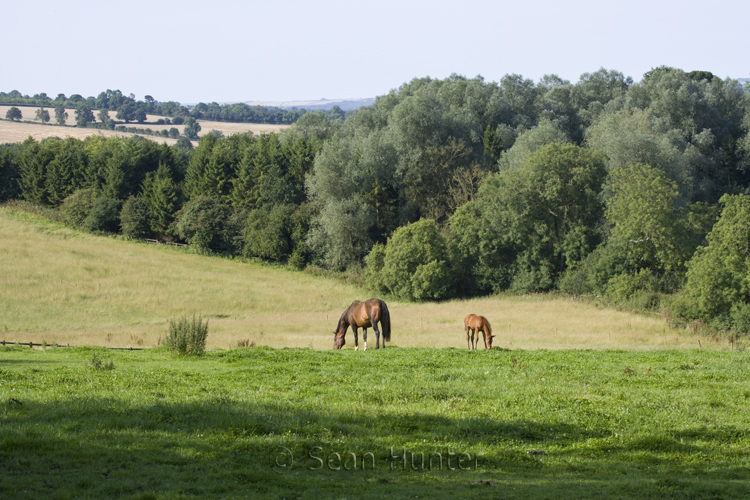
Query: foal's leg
point(468, 342)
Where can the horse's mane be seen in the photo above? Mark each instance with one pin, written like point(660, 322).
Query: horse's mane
point(341, 320)
point(489, 327)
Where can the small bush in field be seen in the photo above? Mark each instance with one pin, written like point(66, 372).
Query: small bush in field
point(98, 363)
point(187, 336)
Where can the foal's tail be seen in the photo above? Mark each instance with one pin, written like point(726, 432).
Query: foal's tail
point(385, 321)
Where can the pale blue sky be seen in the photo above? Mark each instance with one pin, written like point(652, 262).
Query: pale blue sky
point(222, 51)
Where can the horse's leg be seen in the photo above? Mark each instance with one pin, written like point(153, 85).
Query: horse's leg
point(364, 337)
point(356, 340)
point(377, 333)
point(474, 338)
point(468, 342)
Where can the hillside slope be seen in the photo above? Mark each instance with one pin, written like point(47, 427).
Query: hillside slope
point(61, 285)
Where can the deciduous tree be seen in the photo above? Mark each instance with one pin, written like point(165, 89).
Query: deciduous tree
point(60, 114)
point(84, 115)
point(13, 113)
point(413, 264)
point(717, 277)
point(42, 115)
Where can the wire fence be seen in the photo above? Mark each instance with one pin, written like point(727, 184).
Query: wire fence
point(157, 242)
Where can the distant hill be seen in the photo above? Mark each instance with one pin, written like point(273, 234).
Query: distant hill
point(324, 104)
point(743, 80)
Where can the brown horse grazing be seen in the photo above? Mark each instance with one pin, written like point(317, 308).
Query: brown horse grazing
point(476, 324)
point(365, 315)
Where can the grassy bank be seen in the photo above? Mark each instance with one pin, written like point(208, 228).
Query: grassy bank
point(284, 423)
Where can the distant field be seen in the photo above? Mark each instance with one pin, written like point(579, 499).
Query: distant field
point(19, 131)
point(59, 285)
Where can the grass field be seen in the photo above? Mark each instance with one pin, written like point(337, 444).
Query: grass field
point(420, 423)
point(576, 401)
point(29, 126)
point(60, 285)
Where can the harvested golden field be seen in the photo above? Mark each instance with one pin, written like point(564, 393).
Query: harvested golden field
point(18, 132)
point(30, 126)
point(238, 128)
point(61, 285)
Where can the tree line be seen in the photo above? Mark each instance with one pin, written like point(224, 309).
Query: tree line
point(456, 187)
point(238, 195)
point(459, 187)
point(128, 109)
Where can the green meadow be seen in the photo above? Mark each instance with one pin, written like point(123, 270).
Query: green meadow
point(575, 401)
point(419, 422)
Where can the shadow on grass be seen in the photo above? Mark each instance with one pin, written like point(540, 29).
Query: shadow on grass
point(105, 447)
point(29, 362)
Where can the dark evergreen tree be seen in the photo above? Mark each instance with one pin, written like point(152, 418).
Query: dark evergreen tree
point(10, 172)
point(162, 197)
point(67, 172)
point(134, 218)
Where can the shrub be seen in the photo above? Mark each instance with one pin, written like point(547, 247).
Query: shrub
point(134, 218)
point(267, 233)
point(625, 286)
point(187, 336)
point(374, 263)
point(98, 363)
point(415, 265)
point(76, 207)
point(531, 277)
point(103, 216)
point(277, 233)
point(208, 225)
point(717, 274)
point(741, 318)
point(647, 300)
point(575, 281)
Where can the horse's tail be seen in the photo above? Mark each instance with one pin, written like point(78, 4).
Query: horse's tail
point(385, 321)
